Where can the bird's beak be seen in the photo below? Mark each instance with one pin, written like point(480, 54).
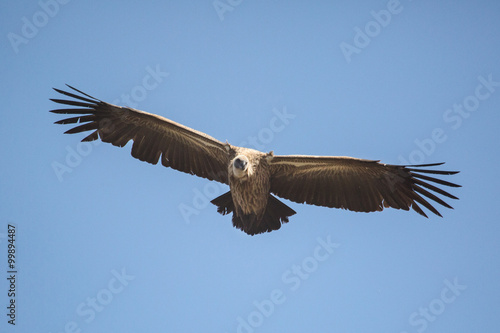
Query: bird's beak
point(240, 164)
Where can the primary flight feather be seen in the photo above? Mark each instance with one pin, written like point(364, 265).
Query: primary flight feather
point(331, 181)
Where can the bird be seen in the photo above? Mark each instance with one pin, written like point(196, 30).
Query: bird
point(255, 178)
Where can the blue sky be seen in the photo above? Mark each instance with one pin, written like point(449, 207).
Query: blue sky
point(107, 245)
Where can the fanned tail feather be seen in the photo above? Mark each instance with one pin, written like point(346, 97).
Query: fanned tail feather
point(276, 214)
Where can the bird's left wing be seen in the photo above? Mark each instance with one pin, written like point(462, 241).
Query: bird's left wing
point(155, 137)
point(356, 184)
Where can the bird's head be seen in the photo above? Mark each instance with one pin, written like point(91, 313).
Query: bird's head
point(241, 166)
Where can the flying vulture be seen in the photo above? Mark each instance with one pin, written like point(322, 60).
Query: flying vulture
point(253, 177)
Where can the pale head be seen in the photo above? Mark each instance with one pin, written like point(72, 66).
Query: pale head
point(241, 166)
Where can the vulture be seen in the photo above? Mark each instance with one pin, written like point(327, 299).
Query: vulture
point(253, 177)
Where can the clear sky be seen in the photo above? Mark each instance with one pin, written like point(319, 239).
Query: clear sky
point(106, 243)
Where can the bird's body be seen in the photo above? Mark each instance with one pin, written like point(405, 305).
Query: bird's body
point(253, 176)
point(249, 187)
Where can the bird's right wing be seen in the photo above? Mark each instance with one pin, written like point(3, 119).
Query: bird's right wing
point(155, 137)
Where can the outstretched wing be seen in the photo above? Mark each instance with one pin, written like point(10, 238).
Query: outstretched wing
point(356, 184)
point(155, 137)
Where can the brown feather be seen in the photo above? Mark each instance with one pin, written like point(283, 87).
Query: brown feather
point(330, 181)
point(182, 148)
point(355, 184)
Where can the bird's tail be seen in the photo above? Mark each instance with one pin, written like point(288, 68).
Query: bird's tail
point(276, 213)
